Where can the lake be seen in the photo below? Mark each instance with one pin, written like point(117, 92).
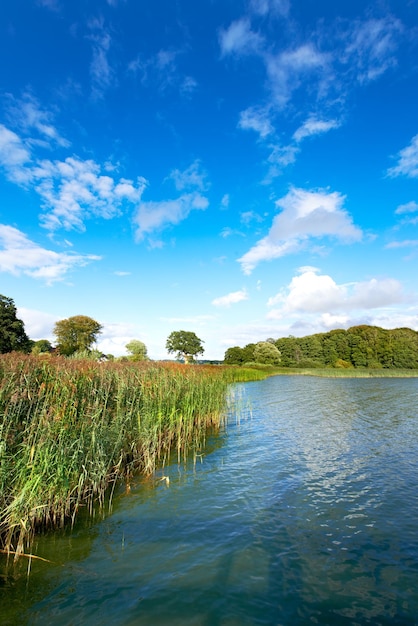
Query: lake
point(303, 511)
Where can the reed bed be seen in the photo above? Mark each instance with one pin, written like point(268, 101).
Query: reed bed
point(69, 429)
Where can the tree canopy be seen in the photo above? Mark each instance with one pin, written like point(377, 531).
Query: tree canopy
point(185, 344)
point(358, 346)
point(137, 349)
point(12, 329)
point(267, 353)
point(76, 333)
point(41, 346)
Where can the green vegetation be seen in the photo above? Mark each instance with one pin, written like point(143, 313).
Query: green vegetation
point(12, 330)
point(137, 349)
point(184, 344)
point(352, 372)
point(76, 334)
point(69, 428)
point(364, 346)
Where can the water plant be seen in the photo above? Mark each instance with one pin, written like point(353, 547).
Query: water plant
point(70, 428)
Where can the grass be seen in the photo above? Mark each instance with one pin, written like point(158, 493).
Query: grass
point(70, 429)
point(347, 372)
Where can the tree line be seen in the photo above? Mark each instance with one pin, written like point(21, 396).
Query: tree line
point(358, 346)
point(76, 335)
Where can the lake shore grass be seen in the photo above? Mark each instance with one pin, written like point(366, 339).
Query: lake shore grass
point(346, 372)
point(70, 429)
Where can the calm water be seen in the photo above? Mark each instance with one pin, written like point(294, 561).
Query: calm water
point(303, 512)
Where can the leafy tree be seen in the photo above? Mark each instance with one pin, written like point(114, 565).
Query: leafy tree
point(248, 353)
point(76, 334)
point(12, 329)
point(185, 344)
point(137, 349)
point(42, 346)
point(267, 353)
point(234, 356)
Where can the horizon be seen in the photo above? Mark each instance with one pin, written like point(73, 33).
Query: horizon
point(240, 170)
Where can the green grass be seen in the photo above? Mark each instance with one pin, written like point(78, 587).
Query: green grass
point(347, 372)
point(69, 429)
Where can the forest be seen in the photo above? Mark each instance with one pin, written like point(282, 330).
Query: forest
point(358, 346)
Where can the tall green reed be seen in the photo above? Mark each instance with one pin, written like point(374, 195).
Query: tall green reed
point(69, 429)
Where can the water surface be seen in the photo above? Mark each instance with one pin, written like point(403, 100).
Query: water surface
point(303, 512)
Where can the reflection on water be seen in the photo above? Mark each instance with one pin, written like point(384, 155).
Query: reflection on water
point(304, 511)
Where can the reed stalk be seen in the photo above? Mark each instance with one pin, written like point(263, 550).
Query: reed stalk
point(69, 429)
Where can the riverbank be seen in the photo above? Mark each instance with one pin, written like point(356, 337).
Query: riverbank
point(348, 372)
point(70, 429)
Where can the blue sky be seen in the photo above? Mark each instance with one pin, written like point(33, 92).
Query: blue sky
point(243, 170)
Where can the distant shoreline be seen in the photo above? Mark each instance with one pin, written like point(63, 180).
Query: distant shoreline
point(346, 373)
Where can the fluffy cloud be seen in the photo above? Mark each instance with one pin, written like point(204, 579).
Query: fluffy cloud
point(19, 255)
point(155, 216)
point(239, 38)
point(256, 119)
point(72, 190)
point(304, 215)
point(325, 68)
point(231, 298)
point(310, 293)
point(38, 325)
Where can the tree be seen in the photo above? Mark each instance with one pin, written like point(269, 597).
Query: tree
point(234, 356)
point(137, 349)
point(12, 329)
point(76, 333)
point(267, 353)
point(185, 344)
point(42, 346)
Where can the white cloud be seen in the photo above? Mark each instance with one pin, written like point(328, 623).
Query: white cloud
point(231, 298)
point(239, 38)
point(289, 68)
point(14, 156)
point(304, 215)
point(312, 293)
point(27, 115)
point(407, 161)
point(19, 255)
point(191, 178)
point(38, 325)
point(256, 119)
point(72, 190)
point(248, 217)
point(407, 243)
point(156, 216)
point(314, 126)
point(321, 70)
point(371, 45)
point(225, 201)
point(409, 207)
point(115, 336)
